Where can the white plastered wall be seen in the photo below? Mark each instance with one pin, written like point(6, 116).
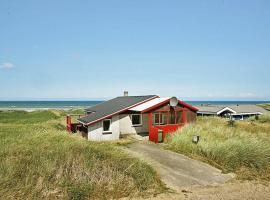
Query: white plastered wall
point(95, 131)
point(126, 126)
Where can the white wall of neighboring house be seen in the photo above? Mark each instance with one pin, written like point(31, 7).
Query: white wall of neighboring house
point(126, 126)
point(95, 131)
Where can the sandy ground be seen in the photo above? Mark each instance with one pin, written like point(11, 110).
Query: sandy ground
point(235, 190)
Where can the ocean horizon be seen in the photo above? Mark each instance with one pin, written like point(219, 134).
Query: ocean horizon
point(84, 104)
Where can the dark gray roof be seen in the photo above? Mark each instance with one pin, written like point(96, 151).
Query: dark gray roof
point(210, 109)
point(248, 109)
point(112, 106)
point(239, 109)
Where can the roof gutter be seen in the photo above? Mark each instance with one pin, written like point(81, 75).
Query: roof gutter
point(206, 112)
point(248, 113)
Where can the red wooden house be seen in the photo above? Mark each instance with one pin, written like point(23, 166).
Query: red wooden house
point(143, 115)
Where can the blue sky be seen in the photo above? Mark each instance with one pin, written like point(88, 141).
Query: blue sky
point(195, 50)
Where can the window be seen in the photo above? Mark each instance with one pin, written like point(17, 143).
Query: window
point(159, 118)
point(106, 125)
point(172, 117)
point(136, 119)
point(156, 118)
point(163, 119)
point(179, 117)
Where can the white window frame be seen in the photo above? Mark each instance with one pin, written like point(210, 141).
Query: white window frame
point(140, 120)
point(108, 131)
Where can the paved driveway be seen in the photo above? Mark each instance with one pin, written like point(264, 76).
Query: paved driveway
point(177, 170)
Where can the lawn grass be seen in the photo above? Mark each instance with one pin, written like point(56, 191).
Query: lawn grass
point(243, 148)
point(39, 160)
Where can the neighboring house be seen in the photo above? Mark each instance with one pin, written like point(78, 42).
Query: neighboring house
point(144, 115)
point(236, 112)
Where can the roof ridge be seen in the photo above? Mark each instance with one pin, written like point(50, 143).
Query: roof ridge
point(139, 96)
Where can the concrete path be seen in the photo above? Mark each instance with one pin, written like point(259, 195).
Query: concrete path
point(177, 170)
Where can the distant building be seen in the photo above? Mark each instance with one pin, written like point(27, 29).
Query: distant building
point(143, 115)
point(237, 112)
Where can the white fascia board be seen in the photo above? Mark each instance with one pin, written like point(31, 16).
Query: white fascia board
point(226, 108)
point(149, 104)
point(207, 112)
point(251, 113)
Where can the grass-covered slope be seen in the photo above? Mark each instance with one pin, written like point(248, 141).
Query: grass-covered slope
point(265, 106)
point(243, 149)
point(261, 119)
point(38, 159)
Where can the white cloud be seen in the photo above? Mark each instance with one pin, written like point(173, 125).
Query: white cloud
point(7, 65)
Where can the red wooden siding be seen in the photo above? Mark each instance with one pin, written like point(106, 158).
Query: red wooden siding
point(187, 116)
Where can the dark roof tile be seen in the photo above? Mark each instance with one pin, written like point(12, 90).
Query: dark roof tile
point(112, 106)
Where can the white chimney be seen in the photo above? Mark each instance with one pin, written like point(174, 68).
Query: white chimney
point(125, 93)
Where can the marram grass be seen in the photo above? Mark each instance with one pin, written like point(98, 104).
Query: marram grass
point(39, 160)
point(243, 149)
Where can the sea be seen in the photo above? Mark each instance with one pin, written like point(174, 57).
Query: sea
point(36, 105)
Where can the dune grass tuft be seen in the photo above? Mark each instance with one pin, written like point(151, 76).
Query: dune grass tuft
point(39, 160)
point(243, 149)
point(265, 106)
point(262, 118)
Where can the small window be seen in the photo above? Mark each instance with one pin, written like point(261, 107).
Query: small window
point(106, 125)
point(136, 119)
point(159, 118)
point(179, 117)
point(172, 117)
point(163, 118)
point(156, 118)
